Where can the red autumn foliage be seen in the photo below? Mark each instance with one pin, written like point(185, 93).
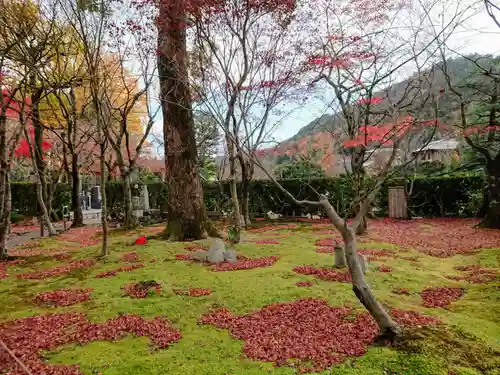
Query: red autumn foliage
point(63, 297)
point(447, 237)
point(28, 337)
point(120, 269)
point(34, 249)
point(62, 256)
point(141, 289)
point(193, 292)
point(184, 257)
point(56, 271)
point(267, 242)
point(324, 250)
point(401, 291)
point(376, 252)
point(441, 296)
point(384, 268)
point(297, 332)
point(84, 236)
point(413, 318)
point(246, 264)
point(195, 248)
point(326, 231)
point(324, 273)
point(476, 274)
point(304, 283)
point(18, 228)
point(141, 241)
point(326, 242)
point(130, 257)
point(3, 267)
point(372, 101)
point(268, 228)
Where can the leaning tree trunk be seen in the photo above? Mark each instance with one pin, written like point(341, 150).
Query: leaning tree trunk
point(389, 330)
point(104, 208)
point(236, 214)
point(129, 218)
point(75, 193)
point(246, 177)
point(492, 217)
point(3, 180)
point(187, 216)
point(5, 219)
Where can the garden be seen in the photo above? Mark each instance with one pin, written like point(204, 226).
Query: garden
point(282, 308)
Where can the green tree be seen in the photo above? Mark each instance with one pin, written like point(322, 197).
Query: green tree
point(300, 169)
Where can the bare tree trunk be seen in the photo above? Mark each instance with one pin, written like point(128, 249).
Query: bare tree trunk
point(129, 219)
point(236, 221)
point(246, 177)
point(44, 212)
point(187, 216)
point(492, 217)
point(76, 193)
point(4, 165)
point(5, 219)
point(104, 208)
point(389, 330)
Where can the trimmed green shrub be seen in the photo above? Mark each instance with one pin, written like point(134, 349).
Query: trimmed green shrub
point(444, 196)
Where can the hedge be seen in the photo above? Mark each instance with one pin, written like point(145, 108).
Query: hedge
point(448, 196)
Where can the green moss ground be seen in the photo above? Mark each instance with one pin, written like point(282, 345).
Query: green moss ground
point(466, 344)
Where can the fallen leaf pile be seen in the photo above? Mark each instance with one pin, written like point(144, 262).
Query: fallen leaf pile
point(441, 296)
point(323, 225)
point(435, 237)
point(85, 236)
point(476, 274)
point(130, 257)
point(268, 228)
point(267, 242)
point(329, 242)
point(243, 263)
point(34, 249)
point(304, 283)
point(3, 266)
point(28, 337)
point(120, 269)
point(326, 231)
point(62, 256)
point(324, 250)
point(63, 297)
point(194, 248)
point(141, 289)
point(56, 271)
point(306, 330)
point(324, 273)
point(246, 264)
point(384, 268)
point(193, 292)
point(413, 318)
point(17, 228)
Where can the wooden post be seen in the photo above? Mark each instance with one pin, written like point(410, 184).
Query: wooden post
point(398, 205)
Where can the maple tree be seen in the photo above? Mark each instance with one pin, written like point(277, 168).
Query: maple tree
point(248, 46)
point(132, 99)
point(479, 124)
point(355, 60)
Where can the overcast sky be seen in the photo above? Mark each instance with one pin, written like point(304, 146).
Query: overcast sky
point(479, 35)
